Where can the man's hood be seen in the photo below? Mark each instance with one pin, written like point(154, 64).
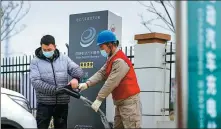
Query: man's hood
point(39, 54)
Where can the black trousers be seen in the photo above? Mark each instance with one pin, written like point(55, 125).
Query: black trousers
point(45, 112)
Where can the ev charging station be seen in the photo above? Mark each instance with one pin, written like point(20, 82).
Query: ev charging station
point(83, 31)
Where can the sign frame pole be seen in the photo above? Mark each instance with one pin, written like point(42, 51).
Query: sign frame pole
point(181, 64)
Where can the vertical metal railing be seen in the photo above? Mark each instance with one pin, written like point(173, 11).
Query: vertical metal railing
point(171, 52)
point(15, 76)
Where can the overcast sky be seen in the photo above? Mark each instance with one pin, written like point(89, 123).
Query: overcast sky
point(52, 17)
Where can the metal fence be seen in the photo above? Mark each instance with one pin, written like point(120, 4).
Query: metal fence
point(170, 59)
point(15, 76)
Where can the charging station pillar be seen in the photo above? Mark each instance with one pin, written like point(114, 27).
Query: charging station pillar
point(83, 31)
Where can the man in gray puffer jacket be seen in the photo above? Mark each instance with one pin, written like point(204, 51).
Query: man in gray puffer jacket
point(49, 71)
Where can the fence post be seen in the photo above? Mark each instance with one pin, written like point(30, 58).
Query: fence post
point(151, 73)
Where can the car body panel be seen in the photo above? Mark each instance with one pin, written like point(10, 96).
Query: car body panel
point(13, 111)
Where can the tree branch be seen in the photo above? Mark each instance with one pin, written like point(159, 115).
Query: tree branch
point(168, 15)
point(160, 16)
point(166, 2)
point(170, 4)
point(15, 33)
point(6, 14)
point(6, 29)
point(144, 5)
point(145, 23)
point(14, 20)
point(149, 22)
point(162, 27)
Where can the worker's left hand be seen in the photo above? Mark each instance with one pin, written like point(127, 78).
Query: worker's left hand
point(96, 105)
point(73, 83)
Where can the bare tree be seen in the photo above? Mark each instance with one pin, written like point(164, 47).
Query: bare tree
point(12, 12)
point(163, 16)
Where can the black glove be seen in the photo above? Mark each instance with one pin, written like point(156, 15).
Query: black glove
point(61, 90)
point(68, 87)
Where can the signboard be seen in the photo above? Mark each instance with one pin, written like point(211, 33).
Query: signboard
point(83, 50)
point(200, 39)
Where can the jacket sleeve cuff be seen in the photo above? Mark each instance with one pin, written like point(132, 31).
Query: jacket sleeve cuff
point(88, 82)
point(100, 99)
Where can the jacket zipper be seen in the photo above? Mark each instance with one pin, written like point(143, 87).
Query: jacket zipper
point(54, 80)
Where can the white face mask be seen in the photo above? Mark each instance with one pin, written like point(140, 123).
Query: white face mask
point(48, 54)
point(104, 53)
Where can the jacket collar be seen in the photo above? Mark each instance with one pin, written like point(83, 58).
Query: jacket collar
point(109, 58)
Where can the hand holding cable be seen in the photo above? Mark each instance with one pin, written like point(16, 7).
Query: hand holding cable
point(73, 83)
point(83, 86)
point(96, 105)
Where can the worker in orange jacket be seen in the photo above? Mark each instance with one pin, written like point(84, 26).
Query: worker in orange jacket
point(120, 80)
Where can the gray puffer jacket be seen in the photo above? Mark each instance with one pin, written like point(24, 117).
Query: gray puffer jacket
point(47, 74)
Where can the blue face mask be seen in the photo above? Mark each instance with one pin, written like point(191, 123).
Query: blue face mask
point(103, 53)
point(48, 54)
